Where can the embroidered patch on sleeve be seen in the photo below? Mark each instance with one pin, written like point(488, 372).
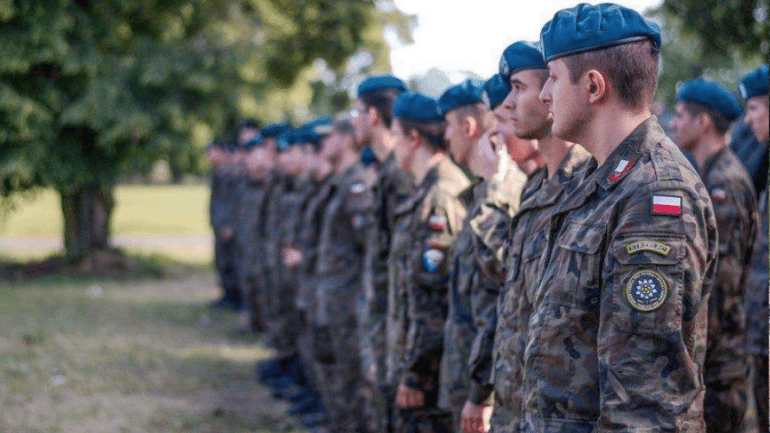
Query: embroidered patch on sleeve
point(646, 290)
point(651, 246)
point(432, 260)
point(718, 195)
point(666, 205)
point(437, 222)
point(357, 188)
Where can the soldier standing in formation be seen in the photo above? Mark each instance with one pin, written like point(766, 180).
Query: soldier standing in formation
point(485, 261)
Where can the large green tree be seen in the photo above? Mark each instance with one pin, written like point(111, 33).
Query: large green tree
point(92, 88)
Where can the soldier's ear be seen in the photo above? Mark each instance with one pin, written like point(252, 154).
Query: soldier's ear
point(471, 127)
point(415, 137)
point(595, 86)
point(372, 116)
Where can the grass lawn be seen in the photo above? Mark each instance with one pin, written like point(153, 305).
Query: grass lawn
point(143, 356)
point(158, 219)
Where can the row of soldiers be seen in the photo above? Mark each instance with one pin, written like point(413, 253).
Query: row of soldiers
point(533, 247)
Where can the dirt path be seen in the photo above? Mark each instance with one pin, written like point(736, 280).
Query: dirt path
point(147, 356)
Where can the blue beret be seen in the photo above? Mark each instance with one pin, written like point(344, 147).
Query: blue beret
point(287, 139)
point(712, 95)
point(465, 93)
point(520, 56)
point(588, 28)
point(418, 107)
point(380, 82)
point(496, 89)
point(252, 143)
point(275, 129)
point(754, 83)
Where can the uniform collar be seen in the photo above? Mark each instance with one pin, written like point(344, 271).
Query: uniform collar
point(708, 165)
point(627, 154)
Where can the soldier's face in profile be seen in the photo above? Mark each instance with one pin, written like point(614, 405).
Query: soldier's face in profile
point(530, 116)
point(567, 102)
point(402, 149)
point(685, 128)
point(459, 143)
point(757, 117)
point(360, 117)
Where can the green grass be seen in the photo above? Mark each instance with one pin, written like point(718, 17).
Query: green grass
point(170, 221)
point(81, 355)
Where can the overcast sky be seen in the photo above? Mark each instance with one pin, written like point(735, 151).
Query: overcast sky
point(470, 35)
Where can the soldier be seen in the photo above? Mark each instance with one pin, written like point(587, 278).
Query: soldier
point(426, 227)
point(469, 291)
point(617, 335)
point(704, 111)
point(345, 221)
point(222, 211)
point(754, 90)
point(523, 67)
point(372, 119)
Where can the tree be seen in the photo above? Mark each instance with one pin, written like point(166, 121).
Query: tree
point(91, 88)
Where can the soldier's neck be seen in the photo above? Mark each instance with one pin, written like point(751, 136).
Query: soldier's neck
point(345, 161)
point(708, 145)
point(382, 143)
point(424, 160)
point(607, 129)
point(553, 150)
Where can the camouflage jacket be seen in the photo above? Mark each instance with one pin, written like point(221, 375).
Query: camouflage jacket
point(346, 219)
point(492, 223)
point(223, 198)
point(617, 336)
point(732, 195)
point(758, 286)
point(392, 186)
point(250, 221)
point(439, 217)
point(472, 298)
point(307, 243)
point(526, 242)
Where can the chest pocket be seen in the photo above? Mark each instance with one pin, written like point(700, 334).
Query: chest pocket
point(577, 272)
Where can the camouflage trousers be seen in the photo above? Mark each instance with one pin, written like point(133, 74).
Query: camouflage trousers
point(251, 313)
point(371, 338)
point(429, 420)
point(280, 319)
point(725, 406)
point(226, 261)
point(340, 381)
point(760, 384)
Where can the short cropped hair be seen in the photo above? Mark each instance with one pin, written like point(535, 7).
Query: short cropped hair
point(721, 124)
point(382, 100)
point(632, 70)
point(477, 111)
point(433, 132)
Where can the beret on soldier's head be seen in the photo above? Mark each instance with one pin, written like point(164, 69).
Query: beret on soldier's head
point(587, 28)
point(367, 156)
point(465, 93)
point(253, 142)
point(520, 56)
point(417, 107)
point(711, 94)
point(286, 140)
point(754, 83)
point(496, 89)
point(274, 130)
point(380, 82)
point(319, 128)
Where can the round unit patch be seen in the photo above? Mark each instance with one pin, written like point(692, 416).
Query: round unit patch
point(646, 290)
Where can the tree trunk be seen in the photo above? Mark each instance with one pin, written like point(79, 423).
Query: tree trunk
point(87, 213)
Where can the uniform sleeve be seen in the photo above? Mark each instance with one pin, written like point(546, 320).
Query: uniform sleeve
point(491, 228)
point(216, 204)
point(484, 308)
point(427, 299)
point(653, 311)
point(359, 207)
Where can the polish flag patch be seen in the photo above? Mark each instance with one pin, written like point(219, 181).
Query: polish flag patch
point(437, 222)
point(666, 205)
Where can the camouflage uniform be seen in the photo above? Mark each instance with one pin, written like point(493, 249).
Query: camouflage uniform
point(617, 336)
point(525, 246)
point(422, 274)
point(757, 314)
point(346, 218)
point(493, 221)
point(281, 316)
point(725, 371)
point(252, 199)
point(472, 299)
point(222, 212)
point(391, 187)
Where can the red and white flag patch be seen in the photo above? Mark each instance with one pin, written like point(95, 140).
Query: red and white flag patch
point(666, 205)
point(437, 222)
